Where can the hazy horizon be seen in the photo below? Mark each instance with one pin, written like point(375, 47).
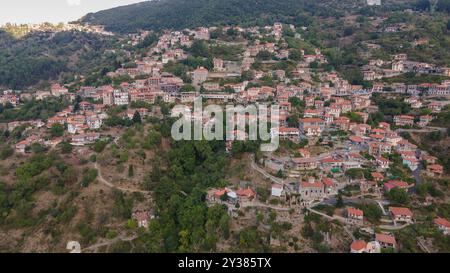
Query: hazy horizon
point(53, 11)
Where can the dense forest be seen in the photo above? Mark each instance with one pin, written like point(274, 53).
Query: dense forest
point(45, 56)
point(165, 14)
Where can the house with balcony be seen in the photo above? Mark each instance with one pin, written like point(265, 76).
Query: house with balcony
point(404, 120)
point(355, 216)
point(302, 164)
point(443, 225)
point(435, 170)
point(386, 240)
point(401, 214)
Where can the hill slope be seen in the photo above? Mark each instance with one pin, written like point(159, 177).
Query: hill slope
point(179, 14)
point(40, 56)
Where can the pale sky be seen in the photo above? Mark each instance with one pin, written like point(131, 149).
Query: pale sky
point(54, 11)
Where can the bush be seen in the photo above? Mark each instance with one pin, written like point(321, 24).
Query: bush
point(57, 130)
point(6, 152)
point(99, 145)
point(66, 148)
point(88, 177)
point(398, 196)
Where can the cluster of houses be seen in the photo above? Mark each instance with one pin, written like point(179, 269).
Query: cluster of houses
point(9, 97)
point(227, 195)
point(330, 107)
point(399, 64)
point(387, 240)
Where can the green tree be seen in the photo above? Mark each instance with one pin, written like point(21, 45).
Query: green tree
point(399, 196)
point(66, 148)
point(200, 48)
point(130, 171)
point(89, 176)
point(57, 130)
point(136, 118)
point(5, 152)
point(339, 201)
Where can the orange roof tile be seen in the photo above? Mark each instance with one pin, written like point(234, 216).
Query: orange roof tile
point(442, 222)
point(353, 211)
point(384, 238)
point(400, 211)
point(358, 245)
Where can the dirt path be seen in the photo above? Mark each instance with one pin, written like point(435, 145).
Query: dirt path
point(261, 205)
point(390, 227)
point(334, 217)
point(110, 185)
point(121, 238)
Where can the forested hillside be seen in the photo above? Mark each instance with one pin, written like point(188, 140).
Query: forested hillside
point(180, 14)
point(44, 56)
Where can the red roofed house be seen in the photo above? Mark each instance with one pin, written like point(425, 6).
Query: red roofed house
point(435, 106)
point(384, 125)
point(355, 216)
point(342, 123)
point(404, 120)
point(245, 194)
point(277, 190)
point(382, 162)
point(429, 159)
point(358, 246)
point(199, 76)
point(443, 225)
point(377, 176)
point(304, 163)
point(217, 196)
point(355, 139)
point(311, 190)
point(288, 133)
point(304, 153)
point(311, 126)
point(142, 218)
point(400, 214)
point(395, 184)
point(385, 240)
point(55, 120)
point(435, 170)
point(329, 185)
point(22, 145)
point(424, 120)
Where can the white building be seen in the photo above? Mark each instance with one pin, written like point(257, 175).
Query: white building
point(120, 97)
point(277, 190)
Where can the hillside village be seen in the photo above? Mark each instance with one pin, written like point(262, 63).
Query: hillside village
point(340, 165)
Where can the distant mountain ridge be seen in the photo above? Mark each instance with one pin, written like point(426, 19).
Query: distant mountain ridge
point(179, 14)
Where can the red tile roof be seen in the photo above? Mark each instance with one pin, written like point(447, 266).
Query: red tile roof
point(400, 211)
point(309, 120)
point(330, 160)
point(355, 138)
point(398, 183)
point(376, 136)
point(442, 222)
point(377, 175)
point(384, 238)
point(327, 181)
point(245, 192)
point(356, 212)
point(435, 168)
point(358, 245)
point(311, 185)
